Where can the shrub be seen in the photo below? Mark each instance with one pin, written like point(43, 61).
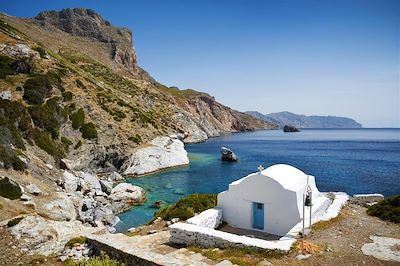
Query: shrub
point(67, 143)
point(136, 138)
point(48, 116)
point(78, 144)
point(14, 221)
point(10, 159)
point(5, 67)
point(52, 147)
point(67, 96)
point(77, 118)
point(102, 260)
point(187, 207)
point(42, 52)
point(80, 84)
point(9, 189)
point(75, 240)
point(89, 131)
point(36, 89)
point(1, 206)
point(387, 209)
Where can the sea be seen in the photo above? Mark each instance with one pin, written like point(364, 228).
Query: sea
point(350, 160)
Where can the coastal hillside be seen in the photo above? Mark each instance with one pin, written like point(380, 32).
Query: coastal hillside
point(71, 89)
point(302, 121)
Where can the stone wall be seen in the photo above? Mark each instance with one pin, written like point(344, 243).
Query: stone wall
point(189, 234)
point(210, 218)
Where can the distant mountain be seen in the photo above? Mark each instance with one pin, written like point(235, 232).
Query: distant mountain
point(302, 121)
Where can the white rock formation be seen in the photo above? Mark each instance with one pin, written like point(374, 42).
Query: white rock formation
point(57, 207)
point(46, 237)
point(33, 189)
point(383, 248)
point(164, 152)
point(127, 193)
point(5, 95)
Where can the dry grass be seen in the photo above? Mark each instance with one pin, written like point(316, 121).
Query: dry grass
point(239, 256)
point(322, 225)
point(306, 247)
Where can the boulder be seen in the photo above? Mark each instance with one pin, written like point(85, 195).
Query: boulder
point(89, 182)
point(38, 235)
point(115, 177)
point(58, 207)
point(33, 189)
point(5, 95)
point(164, 152)
point(70, 182)
point(106, 186)
point(125, 192)
point(228, 155)
point(288, 128)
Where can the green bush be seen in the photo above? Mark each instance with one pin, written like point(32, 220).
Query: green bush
point(16, 118)
point(78, 144)
point(387, 209)
point(5, 67)
point(88, 131)
point(36, 89)
point(102, 260)
point(14, 221)
point(46, 143)
point(48, 116)
point(80, 84)
point(77, 118)
point(67, 142)
point(75, 240)
point(42, 52)
point(187, 207)
point(67, 96)
point(136, 138)
point(10, 159)
point(9, 189)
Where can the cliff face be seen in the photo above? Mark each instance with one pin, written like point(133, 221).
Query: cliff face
point(87, 23)
point(73, 80)
point(302, 121)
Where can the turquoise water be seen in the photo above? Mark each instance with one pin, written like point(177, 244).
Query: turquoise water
point(350, 160)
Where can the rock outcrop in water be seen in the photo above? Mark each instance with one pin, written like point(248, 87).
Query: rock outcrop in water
point(228, 155)
point(287, 128)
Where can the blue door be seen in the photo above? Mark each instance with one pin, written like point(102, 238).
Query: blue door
point(258, 215)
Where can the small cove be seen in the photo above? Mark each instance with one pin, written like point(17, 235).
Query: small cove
point(350, 160)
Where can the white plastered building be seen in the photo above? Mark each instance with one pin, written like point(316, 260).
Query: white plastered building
point(270, 201)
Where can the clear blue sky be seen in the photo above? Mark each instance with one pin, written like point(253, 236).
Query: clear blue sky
point(309, 57)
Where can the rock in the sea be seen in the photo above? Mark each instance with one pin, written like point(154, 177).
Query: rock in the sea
point(228, 155)
point(157, 204)
point(128, 193)
point(164, 152)
point(288, 128)
point(58, 206)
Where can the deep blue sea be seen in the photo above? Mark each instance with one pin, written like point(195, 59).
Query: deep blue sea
point(350, 160)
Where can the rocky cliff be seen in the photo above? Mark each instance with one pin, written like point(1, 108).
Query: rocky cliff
point(302, 121)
